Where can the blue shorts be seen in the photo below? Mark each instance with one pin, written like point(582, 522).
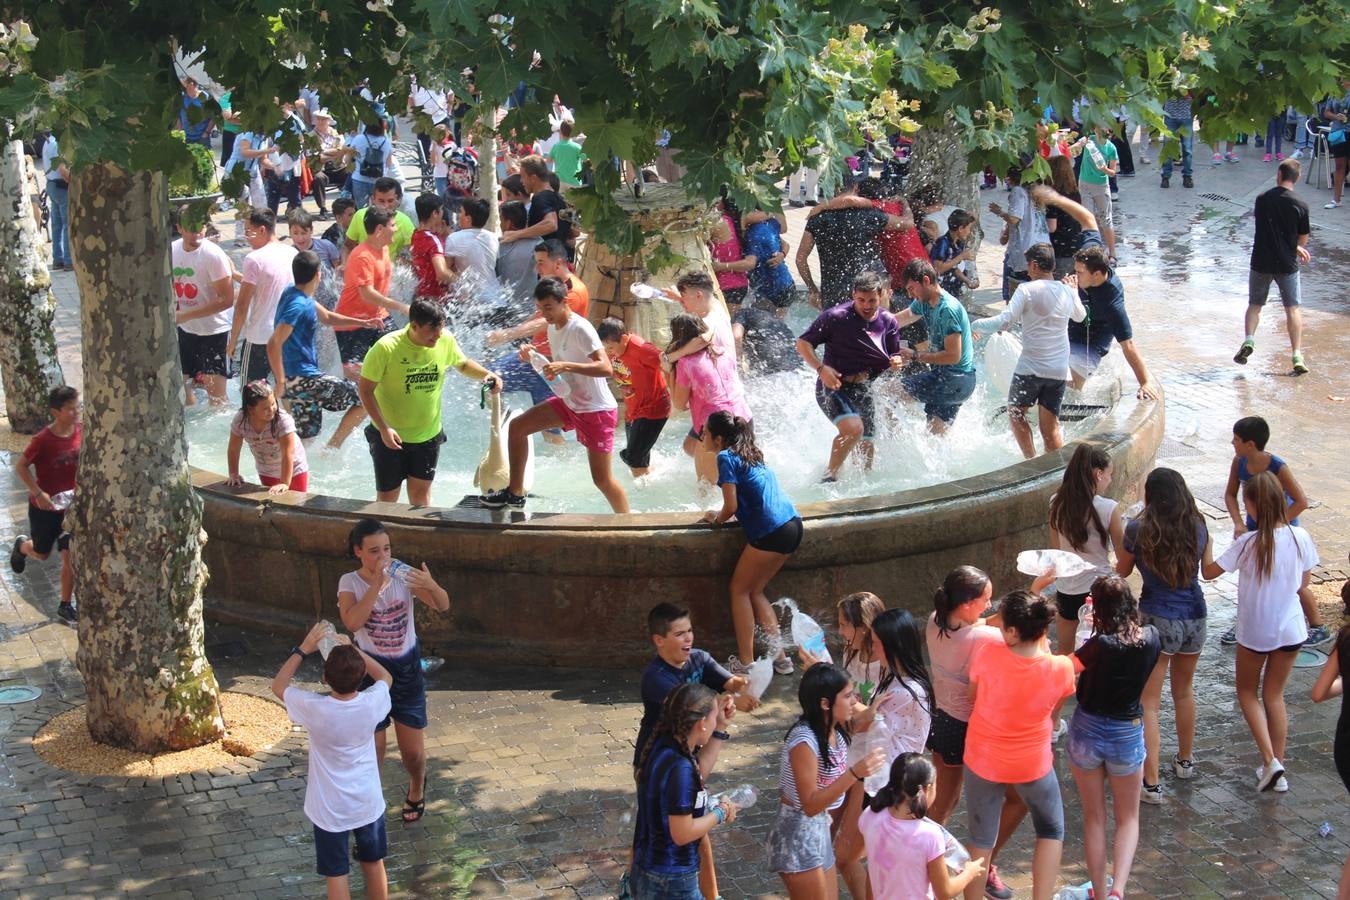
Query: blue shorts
point(1095, 741)
point(854, 398)
point(408, 693)
point(645, 885)
point(941, 390)
point(330, 847)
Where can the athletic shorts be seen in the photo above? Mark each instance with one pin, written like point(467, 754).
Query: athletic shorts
point(942, 390)
point(1032, 390)
point(640, 436)
point(595, 430)
point(253, 364)
point(46, 527)
point(1184, 636)
point(334, 857)
point(310, 395)
point(984, 807)
point(203, 354)
point(1258, 288)
point(1069, 604)
point(299, 481)
point(785, 539)
point(853, 398)
point(355, 344)
point(393, 467)
point(947, 737)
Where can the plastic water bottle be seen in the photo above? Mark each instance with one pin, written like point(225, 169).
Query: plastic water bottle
point(431, 664)
point(397, 570)
point(557, 383)
point(806, 634)
point(328, 640)
point(1097, 159)
point(879, 736)
point(955, 853)
point(742, 797)
point(1085, 622)
point(63, 499)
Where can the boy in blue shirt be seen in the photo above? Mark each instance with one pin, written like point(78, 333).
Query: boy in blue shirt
point(293, 355)
point(948, 253)
point(770, 279)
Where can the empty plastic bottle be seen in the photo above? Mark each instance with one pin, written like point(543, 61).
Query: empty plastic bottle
point(742, 797)
point(955, 853)
point(328, 640)
point(557, 383)
point(397, 570)
point(1085, 622)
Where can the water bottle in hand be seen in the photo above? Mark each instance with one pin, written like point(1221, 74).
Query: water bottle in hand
point(742, 797)
point(1085, 624)
point(955, 853)
point(397, 570)
point(329, 639)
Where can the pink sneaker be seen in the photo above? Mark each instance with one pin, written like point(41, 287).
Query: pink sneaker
point(1266, 158)
point(1279, 157)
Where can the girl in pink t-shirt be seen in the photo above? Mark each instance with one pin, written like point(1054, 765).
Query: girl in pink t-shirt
point(705, 382)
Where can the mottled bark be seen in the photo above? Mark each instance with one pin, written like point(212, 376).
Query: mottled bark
point(138, 567)
point(940, 159)
point(486, 148)
point(28, 362)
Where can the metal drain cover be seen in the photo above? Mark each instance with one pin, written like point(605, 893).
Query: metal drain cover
point(1309, 659)
point(1217, 197)
point(22, 693)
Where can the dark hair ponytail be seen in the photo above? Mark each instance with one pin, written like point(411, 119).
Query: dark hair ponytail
point(1028, 614)
point(962, 585)
point(911, 773)
point(363, 529)
point(737, 434)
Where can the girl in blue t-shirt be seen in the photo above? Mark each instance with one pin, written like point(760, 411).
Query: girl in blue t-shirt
point(674, 812)
point(773, 530)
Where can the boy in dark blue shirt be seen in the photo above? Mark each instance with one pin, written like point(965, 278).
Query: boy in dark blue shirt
point(949, 252)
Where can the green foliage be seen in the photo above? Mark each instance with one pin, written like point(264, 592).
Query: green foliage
point(200, 179)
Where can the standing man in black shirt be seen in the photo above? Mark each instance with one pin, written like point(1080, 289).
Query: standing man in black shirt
point(1281, 244)
point(844, 234)
point(542, 222)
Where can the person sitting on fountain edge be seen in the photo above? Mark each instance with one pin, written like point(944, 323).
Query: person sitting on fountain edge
point(862, 343)
point(951, 379)
point(579, 359)
point(1103, 295)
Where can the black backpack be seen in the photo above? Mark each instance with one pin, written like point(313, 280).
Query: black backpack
point(372, 164)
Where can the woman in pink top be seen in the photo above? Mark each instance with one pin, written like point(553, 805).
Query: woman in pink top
point(730, 263)
point(704, 382)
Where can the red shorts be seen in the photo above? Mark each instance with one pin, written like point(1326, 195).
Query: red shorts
point(595, 430)
point(299, 481)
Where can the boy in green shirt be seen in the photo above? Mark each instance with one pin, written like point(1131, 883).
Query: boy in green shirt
point(567, 156)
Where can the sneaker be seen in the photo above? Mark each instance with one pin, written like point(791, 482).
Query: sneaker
point(1248, 346)
point(1115, 195)
point(1229, 637)
point(1298, 154)
point(783, 666)
point(736, 667)
point(1217, 160)
point(1317, 634)
point(1281, 785)
point(1267, 776)
point(1183, 768)
point(1279, 157)
point(1332, 205)
point(1266, 158)
point(994, 888)
point(1230, 157)
point(1188, 182)
point(66, 613)
point(502, 498)
point(1166, 182)
point(17, 561)
point(1300, 367)
point(1060, 730)
point(1146, 161)
point(1152, 793)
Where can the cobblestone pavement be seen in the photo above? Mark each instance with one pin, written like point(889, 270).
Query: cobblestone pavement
point(530, 770)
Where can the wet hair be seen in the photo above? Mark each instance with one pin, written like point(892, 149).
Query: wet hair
point(512, 212)
point(1094, 259)
point(911, 774)
point(902, 646)
point(550, 289)
point(344, 669)
point(513, 185)
point(860, 610)
point(684, 327)
point(384, 184)
point(477, 209)
point(662, 616)
point(684, 708)
point(1071, 509)
point(60, 395)
point(1289, 170)
point(426, 205)
point(870, 188)
point(342, 205)
point(1028, 614)
point(959, 219)
point(1042, 256)
point(375, 217)
point(1167, 541)
point(262, 217)
point(555, 249)
point(1263, 495)
point(1061, 175)
point(1254, 429)
point(253, 393)
point(868, 281)
point(300, 218)
point(821, 684)
point(425, 311)
point(736, 435)
point(919, 269)
point(535, 166)
point(611, 329)
point(962, 585)
point(695, 280)
point(363, 529)
point(305, 266)
point(1114, 607)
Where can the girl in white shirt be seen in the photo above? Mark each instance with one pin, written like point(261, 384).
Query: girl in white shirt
point(1273, 562)
point(1084, 522)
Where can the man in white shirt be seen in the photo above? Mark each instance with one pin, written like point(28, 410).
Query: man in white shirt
point(267, 272)
point(473, 249)
point(57, 184)
point(1043, 307)
point(203, 287)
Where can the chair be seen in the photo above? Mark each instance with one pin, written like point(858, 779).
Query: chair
point(1321, 153)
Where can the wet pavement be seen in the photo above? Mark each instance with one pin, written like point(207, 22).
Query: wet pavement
point(530, 780)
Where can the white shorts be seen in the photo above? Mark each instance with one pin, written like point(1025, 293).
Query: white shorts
point(1097, 197)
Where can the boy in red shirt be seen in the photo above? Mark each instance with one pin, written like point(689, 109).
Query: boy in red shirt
point(642, 387)
point(428, 249)
point(54, 452)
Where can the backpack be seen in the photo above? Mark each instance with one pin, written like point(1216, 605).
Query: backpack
point(461, 171)
point(372, 163)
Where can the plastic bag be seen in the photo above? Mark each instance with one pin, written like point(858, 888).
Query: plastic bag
point(759, 674)
point(1001, 353)
point(1064, 563)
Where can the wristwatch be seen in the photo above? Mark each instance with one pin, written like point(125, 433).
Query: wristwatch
point(296, 651)
point(721, 735)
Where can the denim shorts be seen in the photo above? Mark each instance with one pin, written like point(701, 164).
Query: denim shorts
point(330, 847)
point(1184, 636)
point(800, 843)
point(1096, 741)
point(645, 885)
point(408, 693)
point(1258, 288)
point(941, 390)
point(853, 398)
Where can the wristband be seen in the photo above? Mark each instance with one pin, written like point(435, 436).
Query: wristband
point(721, 735)
point(854, 774)
point(720, 814)
point(296, 651)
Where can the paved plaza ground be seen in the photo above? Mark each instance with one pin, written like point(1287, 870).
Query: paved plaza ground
point(530, 780)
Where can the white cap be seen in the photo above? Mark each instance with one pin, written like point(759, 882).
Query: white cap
point(324, 113)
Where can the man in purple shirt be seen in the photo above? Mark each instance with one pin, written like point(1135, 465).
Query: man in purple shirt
point(862, 342)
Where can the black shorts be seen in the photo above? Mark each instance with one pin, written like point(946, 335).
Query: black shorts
point(854, 398)
point(1341, 150)
point(47, 529)
point(354, 345)
point(392, 467)
point(640, 436)
point(947, 738)
point(1069, 604)
point(735, 296)
point(203, 354)
point(253, 364)
point(1032, 390)
point(781, 300)
point(784, 539)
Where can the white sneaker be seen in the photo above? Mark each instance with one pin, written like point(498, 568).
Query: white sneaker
point(1060, 730)
point(1268, 776)
point(1281, 785)
point(1183, 768)
point(1298, 154)
point(1332, 205)
point(1152, 793)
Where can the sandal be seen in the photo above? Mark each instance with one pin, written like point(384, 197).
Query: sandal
point(413, 811)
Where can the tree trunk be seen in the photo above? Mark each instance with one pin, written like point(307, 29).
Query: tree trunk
point(138, 567)
point(486, 148)
point(28, 362)
point(939, 158)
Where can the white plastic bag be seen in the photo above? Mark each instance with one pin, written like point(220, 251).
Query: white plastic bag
point(1001, 352)
point(759, 674)
point(1064, 563)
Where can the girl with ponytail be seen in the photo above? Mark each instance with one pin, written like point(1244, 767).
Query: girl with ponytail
point(773, 530)
point(703, 379)
point(906, 851)
point(674, 814)
point(1084, 522)
point(1273, 563)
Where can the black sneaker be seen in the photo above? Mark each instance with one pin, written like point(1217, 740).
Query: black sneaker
point(1188, 182)
point(502, 498)
point(1317, 634)
point(17, 560)
point(67, 613)
point(1229, 637)
point(1166, 182)
point(994, 888)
